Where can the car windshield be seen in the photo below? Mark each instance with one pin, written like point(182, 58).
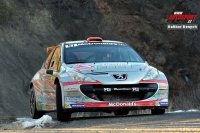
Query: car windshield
point(100, 53)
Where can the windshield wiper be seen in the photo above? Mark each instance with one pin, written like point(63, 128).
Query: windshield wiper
point(76, 62)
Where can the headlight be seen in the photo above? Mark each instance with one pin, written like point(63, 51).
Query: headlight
point(78, 76)
point(153, 74)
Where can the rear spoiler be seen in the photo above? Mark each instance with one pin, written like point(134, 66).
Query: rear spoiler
point(50, 48)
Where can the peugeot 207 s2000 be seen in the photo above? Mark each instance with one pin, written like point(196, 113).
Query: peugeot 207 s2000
point(96, 75)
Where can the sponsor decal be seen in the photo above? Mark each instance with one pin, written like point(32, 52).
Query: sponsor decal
point(67, 105)
point(41, 99)
point(121, 104)
point(71, 88)
point(49, 99)
point(122, 89)
point(79, 71)
point(161, 94)
point(81, 66)
point(163, 86)
point(77, 105)
point(74, 99)
point(88, 99)
point(153, 81)
point(157, 104)
point(182, 14)
point(135, 89)
point(68, 45)
point(163, 103)
point(115, 64)
point(111, 67)
point(107, 89)
point(73, 93)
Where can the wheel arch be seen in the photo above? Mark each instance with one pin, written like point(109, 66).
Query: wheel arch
point(31, 85)
point(56, 80)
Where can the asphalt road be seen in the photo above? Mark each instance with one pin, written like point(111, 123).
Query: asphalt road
point(169, 122)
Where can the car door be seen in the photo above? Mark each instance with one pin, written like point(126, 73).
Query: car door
point(53, 64)
point(38, 78)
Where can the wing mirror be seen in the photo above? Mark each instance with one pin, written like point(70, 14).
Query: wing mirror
point(49, 71)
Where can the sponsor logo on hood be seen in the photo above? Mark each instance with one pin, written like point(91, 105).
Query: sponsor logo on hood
point(81, 66)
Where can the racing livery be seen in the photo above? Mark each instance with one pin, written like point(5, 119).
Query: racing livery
point(96, 75)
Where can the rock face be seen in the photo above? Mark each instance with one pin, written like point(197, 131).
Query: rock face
point(34, 25)
point(160, 58)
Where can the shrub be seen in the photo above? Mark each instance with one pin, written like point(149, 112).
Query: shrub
point(5, 12)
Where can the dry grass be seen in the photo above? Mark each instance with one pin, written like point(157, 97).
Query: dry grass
point(7, 119)
point(186, 99)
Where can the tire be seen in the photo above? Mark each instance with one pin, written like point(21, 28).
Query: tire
point(61, 115)
point(121, 112)
point(35, 114)
point(157, 111)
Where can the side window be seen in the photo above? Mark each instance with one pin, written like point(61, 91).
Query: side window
point(49, 59)
point(55, 59)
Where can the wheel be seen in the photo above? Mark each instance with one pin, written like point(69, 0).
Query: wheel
point(61, 115)
point(157, 111)
point(33, 110)
point(121, 112)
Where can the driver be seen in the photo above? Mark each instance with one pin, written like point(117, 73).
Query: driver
point(103, 56)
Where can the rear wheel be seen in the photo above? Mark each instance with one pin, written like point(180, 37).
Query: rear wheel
point(121, 112)
point(61, 115)
point(157, 111)
point(33, 110)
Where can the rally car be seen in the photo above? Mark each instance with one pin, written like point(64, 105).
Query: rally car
point(96, 75)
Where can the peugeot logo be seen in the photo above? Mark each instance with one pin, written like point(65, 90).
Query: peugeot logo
point(120, 76)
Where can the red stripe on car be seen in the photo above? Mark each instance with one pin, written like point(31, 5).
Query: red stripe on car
point(153, 81)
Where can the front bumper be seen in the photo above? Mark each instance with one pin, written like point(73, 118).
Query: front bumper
point(103, 106)
point(78, 98)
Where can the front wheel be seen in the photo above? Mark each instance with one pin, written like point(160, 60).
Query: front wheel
point(157, 111)
point(61, 115)
point(35, 114)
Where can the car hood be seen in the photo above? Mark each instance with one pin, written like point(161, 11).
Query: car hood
point(108, 73)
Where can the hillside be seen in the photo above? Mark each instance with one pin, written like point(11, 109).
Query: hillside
point(28, 27)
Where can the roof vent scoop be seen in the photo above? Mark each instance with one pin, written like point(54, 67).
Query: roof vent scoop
point(94, 39)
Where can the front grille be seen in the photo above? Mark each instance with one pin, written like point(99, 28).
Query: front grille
point(121, 97)
point(133, 92)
